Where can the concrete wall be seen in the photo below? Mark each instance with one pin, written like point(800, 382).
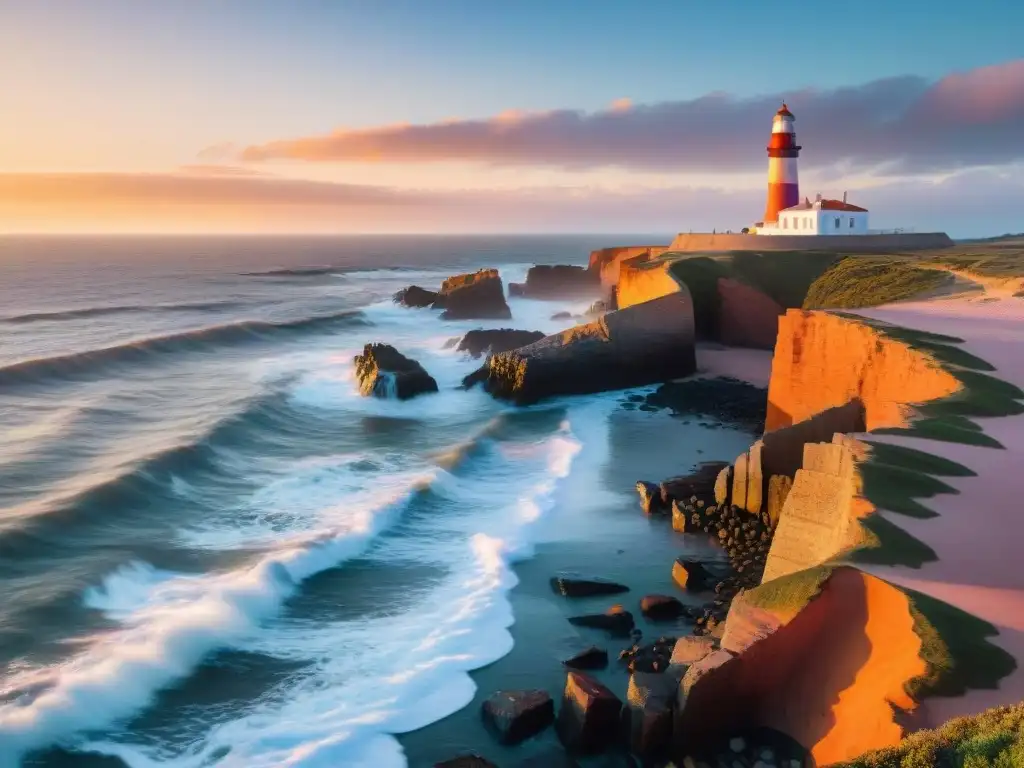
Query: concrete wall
point(841, 243)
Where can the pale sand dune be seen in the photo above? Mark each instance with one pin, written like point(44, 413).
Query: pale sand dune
point(753, 366)
point(979, 534)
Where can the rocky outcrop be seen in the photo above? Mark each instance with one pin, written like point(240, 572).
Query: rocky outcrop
point(382, 371)
point(588, 720)
point(647, 343)
point(513, 716)
point(650, 657)
point(661, 607)
point(746, 316)
point(414, 296)
point(831, 673)
point(480, 342)
point(692, 575)
point(606, 261)
point(650, 700)
point(561, 281)
point(642, 281)
point(570, 587)
point(475, 296)
point(617, 621)
point(591, 658)
point(824, 360)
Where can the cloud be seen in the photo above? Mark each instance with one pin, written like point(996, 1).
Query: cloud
point(970, 203)
point(896, 125)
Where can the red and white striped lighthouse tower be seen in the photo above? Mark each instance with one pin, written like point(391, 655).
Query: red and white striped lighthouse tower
point(783, 189)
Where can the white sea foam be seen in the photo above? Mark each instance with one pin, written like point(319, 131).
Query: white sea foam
point(175, 622)
point(392, 674)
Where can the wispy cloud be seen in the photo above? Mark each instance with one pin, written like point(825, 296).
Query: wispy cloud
point(968, 203)
point(896, 125)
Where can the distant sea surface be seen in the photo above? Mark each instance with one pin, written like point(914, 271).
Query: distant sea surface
point(213, 550)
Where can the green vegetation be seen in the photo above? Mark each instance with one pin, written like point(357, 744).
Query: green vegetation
point(992, 739)
point(885, 543)
point(787, 595)
point(784, 276)
point(955, 647)
point(999, 257)
point(894, 488)
point(920, 461)
point(867, 281)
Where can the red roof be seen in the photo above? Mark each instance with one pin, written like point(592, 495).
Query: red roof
point(839, 205)
point(784, 111)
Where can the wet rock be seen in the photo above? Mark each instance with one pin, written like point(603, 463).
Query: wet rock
point(699, 483)
point(616, 620)
point(517, 289)
point(727, 400)
point(562, 316)
point(661, 608)
point(466, 761)
point(513, 716)
point(649, 701)
point(479, 342)
point(382, 371)
point(681, 521)
point(650, 497)
point(644, 344)
point(570, 587)
point(592, 658)
point(692, 576)
point(414, 296)
point(478, 295)
point(690, 650)
point(588, 719)
point(561, 282)
point(651, 657)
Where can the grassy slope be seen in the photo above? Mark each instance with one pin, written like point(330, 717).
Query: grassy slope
point(867, 281)
point(994, 738)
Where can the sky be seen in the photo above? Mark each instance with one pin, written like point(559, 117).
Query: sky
point(397, 116)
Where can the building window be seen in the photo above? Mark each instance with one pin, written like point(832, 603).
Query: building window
point(785, 223)
point(851, 222)
point(837, 222)
point(807, 223)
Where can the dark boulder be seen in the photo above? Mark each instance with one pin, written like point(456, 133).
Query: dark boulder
point(478, 295)
point(561, 281)
point(699, 483)
point(383, 371)
point(478, 342)
point(650, 700)
point(661, 607)
point(514, 716)
point(643, 344)
point(592, 658)
point(517, 289)
point(588, 720)
point(562, 316)
point(466, 761)
point(650, 498)
point(693, 576)
point(414, 296)
point(616, 620)
point(569, 587)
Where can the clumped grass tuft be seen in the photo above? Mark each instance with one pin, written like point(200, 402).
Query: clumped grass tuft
point(991, 739)
point(868, 281)
point(787, 595)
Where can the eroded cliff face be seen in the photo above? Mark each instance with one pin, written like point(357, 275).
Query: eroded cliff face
point(746, 316)
point(832, 674)
point(640, 282)
point(824, 360)
point(607, 261)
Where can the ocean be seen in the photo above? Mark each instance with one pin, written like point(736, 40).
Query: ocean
point(215, 552)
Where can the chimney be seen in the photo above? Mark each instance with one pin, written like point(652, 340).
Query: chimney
point(844, 197)
point(817, 198)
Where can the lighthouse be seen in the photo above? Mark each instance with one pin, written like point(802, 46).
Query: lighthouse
point(783, 189)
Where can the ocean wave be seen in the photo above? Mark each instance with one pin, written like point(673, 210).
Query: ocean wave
point(87, 312)
point(312, 271)
point(170, 623)
point(390, 674)
point(142, 350)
